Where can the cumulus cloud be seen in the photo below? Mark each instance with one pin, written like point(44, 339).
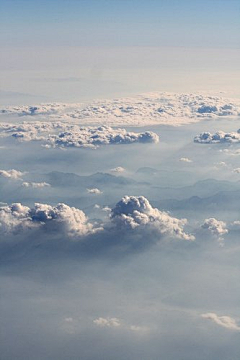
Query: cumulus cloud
point(12, 174)
point(103, 135)
point(147, 109)
point(35, 185)
point(107, 322)
point(62, 218)
point(118, 169)
point(94, 191)
point(117, 323)
point(216, 227)
point(187, 160)
point(224, 321)
point(136, 213)
point(218, 137)
point(75, 136)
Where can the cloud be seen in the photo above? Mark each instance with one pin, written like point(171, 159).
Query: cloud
point(12, 174)
point(237, 170)
point(116, 323)
point(94, 191)
point(224, 321)
point(218, 137)
point(147, 109)
point(17, 218)
point(134, 213)
point(118, 169)
point(103, 135)
point(216, 227)
point(107, 322)
point(35, 185)
point(184, 159)
point(75, 136)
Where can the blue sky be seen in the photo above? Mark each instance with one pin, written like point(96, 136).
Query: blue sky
point(209, 23)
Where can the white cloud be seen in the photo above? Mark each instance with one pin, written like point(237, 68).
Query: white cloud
point(12, 174)
point(75, 136)
point(118, 169)
point(216, 227)
point(218, 137)
point(187, 160)
point(107, 322)
point(136, 213)
point(237, 170)
point(147, 109)
point(94, 191)
point(224, 321)
point(35, 185)
point(94, 136)
point(62, 218)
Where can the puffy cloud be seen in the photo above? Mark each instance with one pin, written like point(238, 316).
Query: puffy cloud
point(103, 135)
point(11, 174)
point(35, 185)
point(118, 169)
point(218, 137)
point(216, 227)
point(94, 191)
point(132, 216)
point(147, 109)
point(75, 136)
point(136, 213)
point(107, 322)
point(224, 321)
point(61, 218)
point(187, 160)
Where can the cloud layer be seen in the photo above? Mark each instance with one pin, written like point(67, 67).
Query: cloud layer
point(75, 136)
point(147, 109)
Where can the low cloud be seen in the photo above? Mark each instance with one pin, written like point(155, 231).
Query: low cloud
point(94, 136)
point(35, 185)
point(216, 227)
point(224, 321)
point(218, 137)
point(187, 160)
point(118, 169)
point(12, 174)
point(75, 136)
point(94, 191)
point(134, 213)
point(107, 322)
point(17, 218)
point(147, 109)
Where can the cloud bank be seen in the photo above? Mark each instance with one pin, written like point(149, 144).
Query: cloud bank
point(147, 109)
point(75, 136)
point(218, 137)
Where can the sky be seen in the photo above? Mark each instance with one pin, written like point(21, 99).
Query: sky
point(80, 50)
